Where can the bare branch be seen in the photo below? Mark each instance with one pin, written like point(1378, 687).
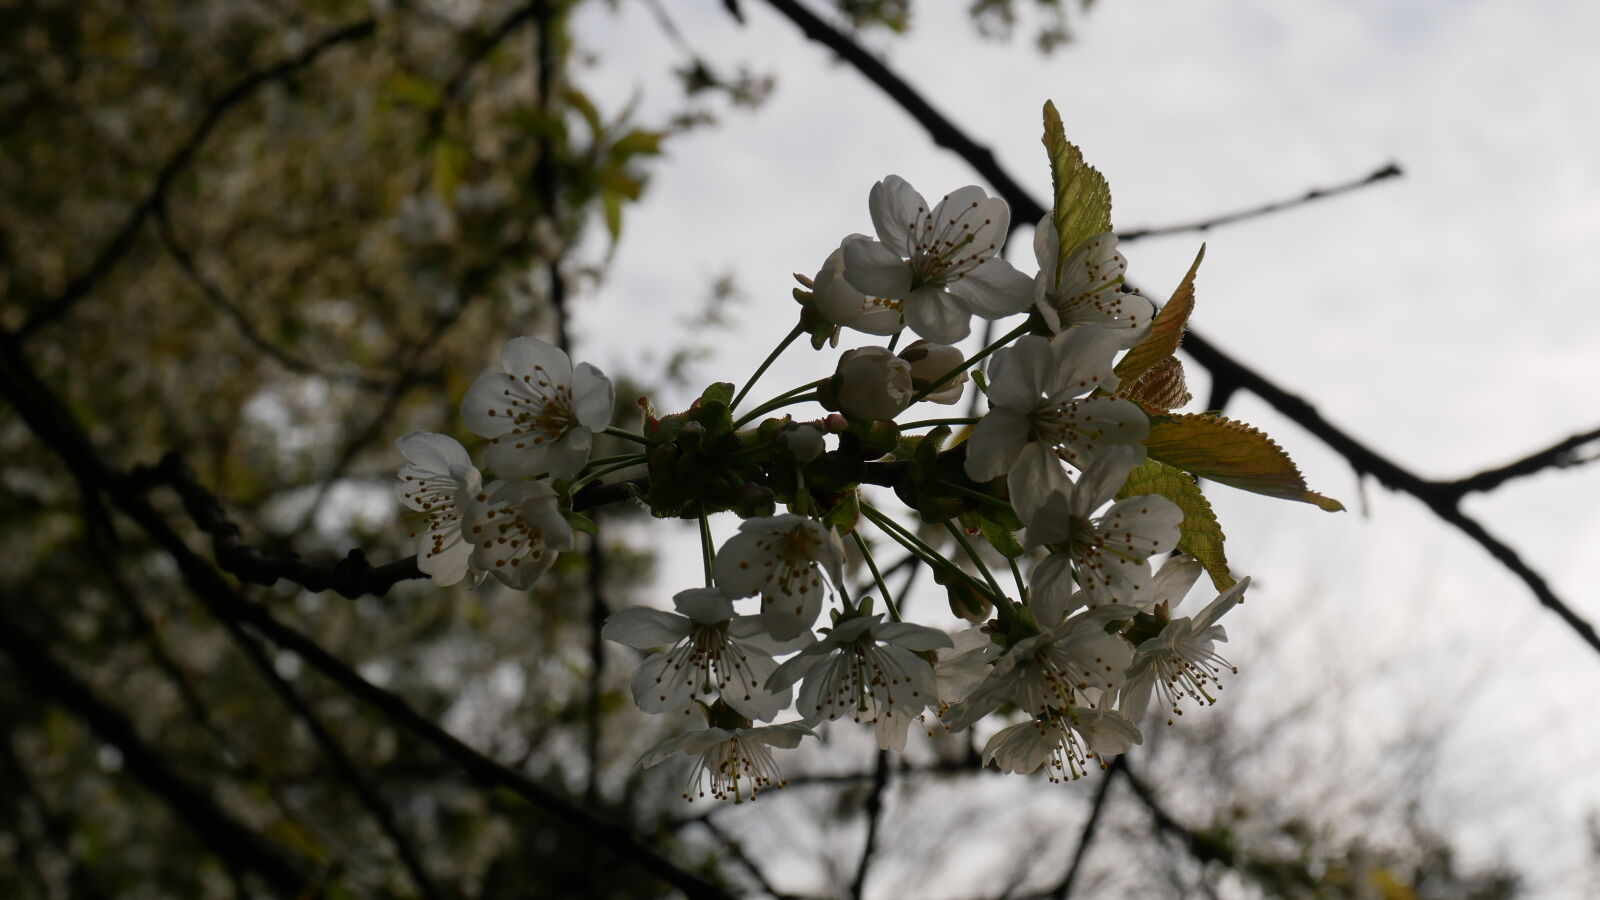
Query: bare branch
point(1392, 170)
point(1561, 455)
point(122, 241)
point(226, 836)
point(874, 810)
point(1102, 797)
point(211, 290)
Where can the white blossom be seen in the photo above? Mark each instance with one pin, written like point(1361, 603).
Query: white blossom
point(734, 762)
point(1062, 742)
point(1039, 414)
point(712, 653)
point(1107, 555)
point(942, 264)
point(1181, 661)
point(867, 669)
point(1087, 292)
point(440, 481)
point(540, 414)
point(840, 304)
point(783, 558)
point(1058, 668)
point(516, 529)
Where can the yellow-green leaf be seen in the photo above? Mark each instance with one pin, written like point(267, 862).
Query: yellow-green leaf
point(1082, 197)
point(1233, 453)
point(1166, 330)
point(1200, 535)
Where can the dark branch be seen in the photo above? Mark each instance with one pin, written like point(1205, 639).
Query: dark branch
point(1024, 209)
point(335, 753)
point(122, 241)
point(59, 432)
point(1559, 456)
point(213, 291)
point(1441, 498)
point(1102, 796)
point(229, 839)
point(1392, 170)
point(874, 810)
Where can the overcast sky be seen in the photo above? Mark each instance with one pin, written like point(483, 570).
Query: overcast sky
point(1448, 319)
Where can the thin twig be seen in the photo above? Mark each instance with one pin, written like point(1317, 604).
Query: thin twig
point(190, 804)
point(1392, 170)
point(874, 810)
point(122, 240)
point(1558, 456)
point(213, 291)
point(1102, 796)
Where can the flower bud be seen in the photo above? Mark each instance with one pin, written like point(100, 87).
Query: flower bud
point(836, 301)
point(872, 383)
point(930, 361)
point(804, 442)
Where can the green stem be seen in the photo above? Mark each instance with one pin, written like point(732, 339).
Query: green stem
point(883, 587)
point(895, 341)
point(929, 423)
point(637, 459)
point(980, 356)
point(969, 492)
point(706, 552)
point(788, 398)
point(972, 554)
point(918, 548)
point(607, 460)
point(1016, 573)
point(762, 369)
point(628, 435)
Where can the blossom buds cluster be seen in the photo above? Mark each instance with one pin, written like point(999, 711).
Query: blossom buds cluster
point(1076, 485)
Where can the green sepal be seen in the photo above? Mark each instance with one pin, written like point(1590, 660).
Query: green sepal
point(580, 522)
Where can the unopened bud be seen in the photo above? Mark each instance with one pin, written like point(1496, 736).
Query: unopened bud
point(872, 383)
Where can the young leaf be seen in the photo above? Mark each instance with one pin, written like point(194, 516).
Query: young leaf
point(1166, 330)
point(1233, 453)
point(1082, 197)
point(1200, 535)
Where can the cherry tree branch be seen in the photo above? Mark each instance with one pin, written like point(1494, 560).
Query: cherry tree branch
point(237, 844)
point(1226, 371)
point(874, 810)
point(123, 239)
point(1392, 170)
point(1102, 797)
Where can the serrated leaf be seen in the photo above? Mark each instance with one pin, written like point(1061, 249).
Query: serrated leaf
point(1233, 453)
point(1166, 330)
point(1200, 535)
point(1159, 390)
point(1082, 197)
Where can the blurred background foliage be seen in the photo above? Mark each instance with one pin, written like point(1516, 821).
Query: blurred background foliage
point(273, 235)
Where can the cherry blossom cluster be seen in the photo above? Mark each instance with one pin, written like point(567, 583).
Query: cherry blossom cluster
point(1062, 523)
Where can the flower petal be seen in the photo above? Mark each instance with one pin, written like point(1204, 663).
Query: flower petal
point(434, 453)
point(994, 289)
point(874, 269)
point(531, 356)
point(593, 397)
point(895, 207)
point(937, 315)
point(644, 629)
point(996, 442)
